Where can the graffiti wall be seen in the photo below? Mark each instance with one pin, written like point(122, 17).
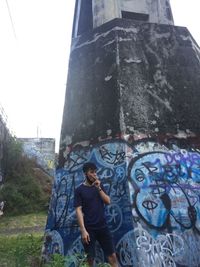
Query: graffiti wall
point(154, 214)
point(42, 150)
point(164, 193)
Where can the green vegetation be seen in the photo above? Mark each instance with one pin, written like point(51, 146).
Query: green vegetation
point(25, 251)
point(21, 222)
point(21, 190)
point(20, 251)
point(79, 260)
point(17, 247)
point(26, 190)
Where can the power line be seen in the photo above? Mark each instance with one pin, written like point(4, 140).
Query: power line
point(11, 20)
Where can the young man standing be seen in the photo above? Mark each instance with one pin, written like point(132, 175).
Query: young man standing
point(89, 201)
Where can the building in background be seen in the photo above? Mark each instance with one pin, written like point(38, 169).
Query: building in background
point(132, 107)
point(42, 150)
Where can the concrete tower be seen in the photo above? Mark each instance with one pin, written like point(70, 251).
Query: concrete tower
point(90, 14)
point(132, 107)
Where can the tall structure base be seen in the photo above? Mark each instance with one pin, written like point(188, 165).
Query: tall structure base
point(132, 107)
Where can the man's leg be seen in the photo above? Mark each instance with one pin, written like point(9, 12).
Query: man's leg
point(104, 238)
point(90, 261)
point(90, 248)
point(112, 259)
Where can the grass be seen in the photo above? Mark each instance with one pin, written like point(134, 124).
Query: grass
point(23, 221)
point(23, 249)
point(20, 251)
point(17, 247)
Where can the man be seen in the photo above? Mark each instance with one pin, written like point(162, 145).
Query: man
point(89, 201)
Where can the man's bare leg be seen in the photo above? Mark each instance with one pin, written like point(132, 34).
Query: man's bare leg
point(112, 259)
point(90, 261)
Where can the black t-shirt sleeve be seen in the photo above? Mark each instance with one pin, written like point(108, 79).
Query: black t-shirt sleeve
point(77, 198)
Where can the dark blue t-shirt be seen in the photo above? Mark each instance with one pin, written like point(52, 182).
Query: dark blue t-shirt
point(89, 199)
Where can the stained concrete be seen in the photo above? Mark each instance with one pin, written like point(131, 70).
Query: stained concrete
point(129, 77)
point(90, 14)
point(132, 108)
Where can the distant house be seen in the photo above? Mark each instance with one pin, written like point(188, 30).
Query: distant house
point(42, 150)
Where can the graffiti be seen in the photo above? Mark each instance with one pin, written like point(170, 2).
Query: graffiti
point(64, 214)
point(53, 244)
point(112, 174)
point(118, 190)
point(42, 150)
point(165, 196)
point(155, 202)
point(77, 249)
point(76, 159)
point(120, 174)
point(167, 249)
point(114, 216)
point(158, 252)
point(126, 248)
point(105, 173)
point(190, 256)
point(164, 192)
point(111, 153)
point(112, 158)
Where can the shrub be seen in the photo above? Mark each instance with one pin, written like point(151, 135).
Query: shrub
point(20, 190)
point(78, 260)
point(20, 251)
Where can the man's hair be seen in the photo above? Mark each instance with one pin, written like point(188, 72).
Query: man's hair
point(89, 166)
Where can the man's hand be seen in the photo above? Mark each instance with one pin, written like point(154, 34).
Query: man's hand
point(85, 237)
point(97, 183)
point(84, 234)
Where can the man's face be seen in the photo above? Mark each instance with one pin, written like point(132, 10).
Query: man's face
point(91, 175)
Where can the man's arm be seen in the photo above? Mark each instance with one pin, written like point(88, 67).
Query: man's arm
point(104, 196)
point(84, 233)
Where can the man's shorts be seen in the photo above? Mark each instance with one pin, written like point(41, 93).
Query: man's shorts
point(103, 236)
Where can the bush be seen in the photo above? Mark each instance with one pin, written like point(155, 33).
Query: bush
point(20, 251)
point(25, 251)
point(78, 260)
point(20, 190)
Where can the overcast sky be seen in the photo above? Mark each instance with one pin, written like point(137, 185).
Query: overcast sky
point(34, 59)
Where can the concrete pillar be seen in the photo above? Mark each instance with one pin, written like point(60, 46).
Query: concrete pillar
point(90, 14)
point(132, 108)
point(104, 11)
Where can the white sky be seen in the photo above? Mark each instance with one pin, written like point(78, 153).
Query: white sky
point(33, 66)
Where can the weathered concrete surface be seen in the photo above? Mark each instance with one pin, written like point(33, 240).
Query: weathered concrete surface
point(132, 108)
point(90, 14)
point(159, 79)
point(154, 214)
point(132, 78)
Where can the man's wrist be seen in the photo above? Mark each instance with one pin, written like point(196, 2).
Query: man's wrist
point(99, 188)
point(82, 229)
